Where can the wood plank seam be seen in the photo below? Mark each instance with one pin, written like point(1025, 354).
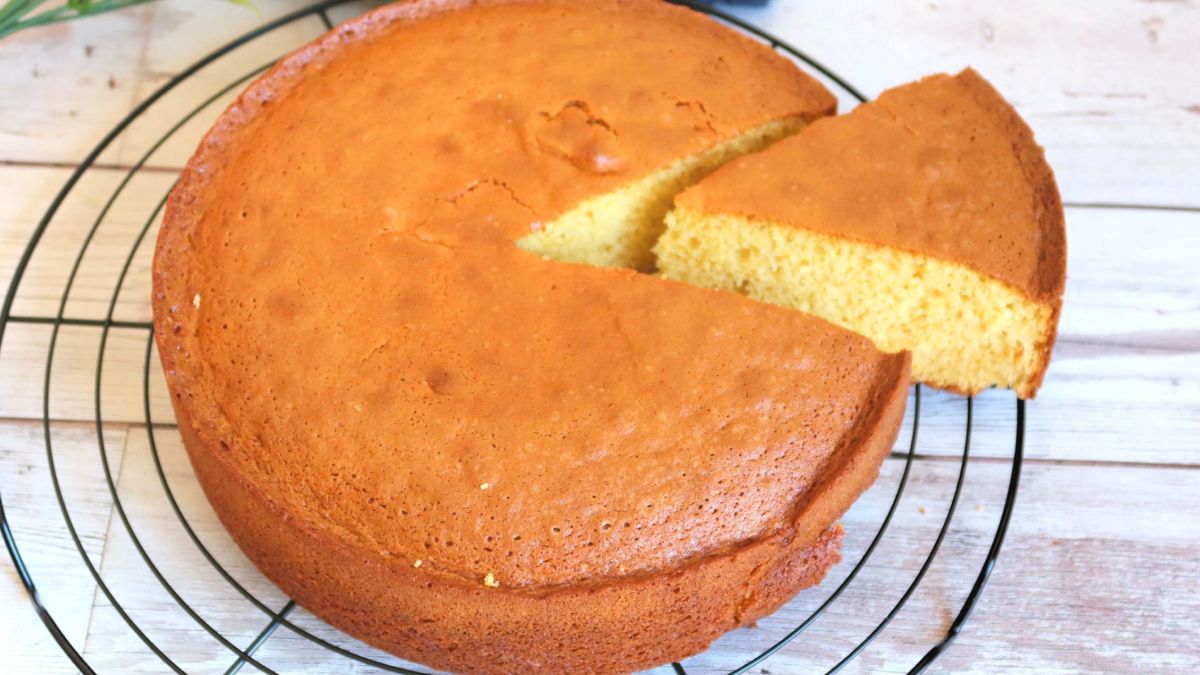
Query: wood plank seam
point(96, 594)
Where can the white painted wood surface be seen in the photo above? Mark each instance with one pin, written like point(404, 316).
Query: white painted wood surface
point(1100, 570)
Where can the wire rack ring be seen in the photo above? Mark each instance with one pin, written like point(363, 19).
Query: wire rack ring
point(279, 617)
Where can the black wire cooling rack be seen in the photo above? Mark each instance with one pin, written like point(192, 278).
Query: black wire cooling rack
point(276, 618)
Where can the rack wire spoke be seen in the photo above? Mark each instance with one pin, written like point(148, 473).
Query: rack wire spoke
point(91, 323)
point(262, 638)
point(280, 617)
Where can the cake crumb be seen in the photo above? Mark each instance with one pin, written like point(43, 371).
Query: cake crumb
point(978, 508)
point(196, 301)
point(417, 563)
point(920, 509)
point(490, 581)
point(484, 486)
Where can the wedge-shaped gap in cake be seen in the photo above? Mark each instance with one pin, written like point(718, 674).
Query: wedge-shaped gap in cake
point(620, 228)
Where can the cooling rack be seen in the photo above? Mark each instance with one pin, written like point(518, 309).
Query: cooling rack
point(339, 654)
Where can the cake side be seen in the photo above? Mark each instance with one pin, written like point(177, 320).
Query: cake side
point(610, 627)
point(614, 628)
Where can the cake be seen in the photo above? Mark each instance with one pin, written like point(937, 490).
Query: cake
point(418, 412)
point(926, 220)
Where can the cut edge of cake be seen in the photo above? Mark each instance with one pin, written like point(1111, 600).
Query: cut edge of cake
point(900, 300)
point(619, 228)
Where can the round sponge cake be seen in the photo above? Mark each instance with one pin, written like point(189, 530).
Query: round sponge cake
point(470, 454)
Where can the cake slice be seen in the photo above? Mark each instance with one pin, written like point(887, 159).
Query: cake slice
point(927, 220)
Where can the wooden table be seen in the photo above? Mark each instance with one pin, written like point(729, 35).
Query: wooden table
point(1101, 569)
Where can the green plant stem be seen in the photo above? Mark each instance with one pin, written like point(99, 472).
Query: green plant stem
point(14, 9)
point(18, 15)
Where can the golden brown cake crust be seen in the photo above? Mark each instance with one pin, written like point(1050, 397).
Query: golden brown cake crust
point(339, 306)
point(1050, 271)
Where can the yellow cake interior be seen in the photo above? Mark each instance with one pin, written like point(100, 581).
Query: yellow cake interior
point(966, 331)
point(619, 228)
